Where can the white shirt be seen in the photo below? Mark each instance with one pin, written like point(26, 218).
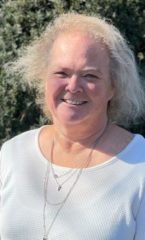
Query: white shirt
point(106, 203)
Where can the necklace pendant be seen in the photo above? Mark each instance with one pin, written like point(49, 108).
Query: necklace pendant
point(59, 188)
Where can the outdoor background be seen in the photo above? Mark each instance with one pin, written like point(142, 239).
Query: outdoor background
point(23, 20)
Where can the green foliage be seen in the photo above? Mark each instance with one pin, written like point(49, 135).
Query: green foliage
point(23, 20)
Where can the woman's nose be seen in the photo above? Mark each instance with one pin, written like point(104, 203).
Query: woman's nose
point(74, 84)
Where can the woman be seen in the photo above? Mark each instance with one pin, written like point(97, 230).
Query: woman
point(84, 176)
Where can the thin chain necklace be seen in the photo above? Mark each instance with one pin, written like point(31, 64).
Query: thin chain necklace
point(79, 170)
point(56, 176)
point(62, 203)
point(71, 172)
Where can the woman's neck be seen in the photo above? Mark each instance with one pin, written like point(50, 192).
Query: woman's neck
point(71, 140)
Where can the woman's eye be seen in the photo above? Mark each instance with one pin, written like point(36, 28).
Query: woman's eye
point(61, 74)
point(91, 76)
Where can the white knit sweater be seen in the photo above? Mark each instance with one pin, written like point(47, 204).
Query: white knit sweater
point(107, 202)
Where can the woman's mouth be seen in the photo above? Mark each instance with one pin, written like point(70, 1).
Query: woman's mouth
point(74, 102)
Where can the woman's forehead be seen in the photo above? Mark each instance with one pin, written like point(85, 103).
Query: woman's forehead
point(78, 45)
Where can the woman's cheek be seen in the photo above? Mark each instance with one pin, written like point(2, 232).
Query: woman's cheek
point(55, 88)
point(92, 87)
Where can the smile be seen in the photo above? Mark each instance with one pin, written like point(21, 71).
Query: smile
point(74, 102)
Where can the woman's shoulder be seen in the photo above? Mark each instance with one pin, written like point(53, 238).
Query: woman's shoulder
point(129, 147)
point(126, 139)
point(137, 144)
point(24, 139)
point(132, 157)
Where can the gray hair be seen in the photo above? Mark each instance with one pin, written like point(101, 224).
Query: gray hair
point(127, 104)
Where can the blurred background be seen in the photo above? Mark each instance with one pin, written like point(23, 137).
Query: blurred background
point(22, 20)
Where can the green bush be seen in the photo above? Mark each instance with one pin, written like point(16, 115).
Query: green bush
point(22, 20)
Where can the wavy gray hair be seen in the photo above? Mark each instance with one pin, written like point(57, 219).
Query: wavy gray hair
point(127, 104)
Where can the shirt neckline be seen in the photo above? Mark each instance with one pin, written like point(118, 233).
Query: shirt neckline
point(98, 166)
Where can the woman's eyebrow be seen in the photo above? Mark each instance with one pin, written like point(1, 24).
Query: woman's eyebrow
point(92, 70)
point(58, 68)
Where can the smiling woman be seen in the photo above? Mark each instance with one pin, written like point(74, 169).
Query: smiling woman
point(78, 87)
point(84, 176)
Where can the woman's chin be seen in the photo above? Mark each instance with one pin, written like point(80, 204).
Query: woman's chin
point(69, 115)
point(69, 119)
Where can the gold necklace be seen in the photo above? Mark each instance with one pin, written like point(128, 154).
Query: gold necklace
point(62, 203)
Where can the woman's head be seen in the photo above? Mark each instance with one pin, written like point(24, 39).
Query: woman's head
point(78, 85)
point(126, 104)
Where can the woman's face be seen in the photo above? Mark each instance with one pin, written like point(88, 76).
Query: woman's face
point(78, 85)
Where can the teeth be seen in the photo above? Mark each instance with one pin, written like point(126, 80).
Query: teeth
point(74, 102)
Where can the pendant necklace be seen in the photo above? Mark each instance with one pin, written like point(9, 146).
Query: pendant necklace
point(70, 173)
point(62, 203)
